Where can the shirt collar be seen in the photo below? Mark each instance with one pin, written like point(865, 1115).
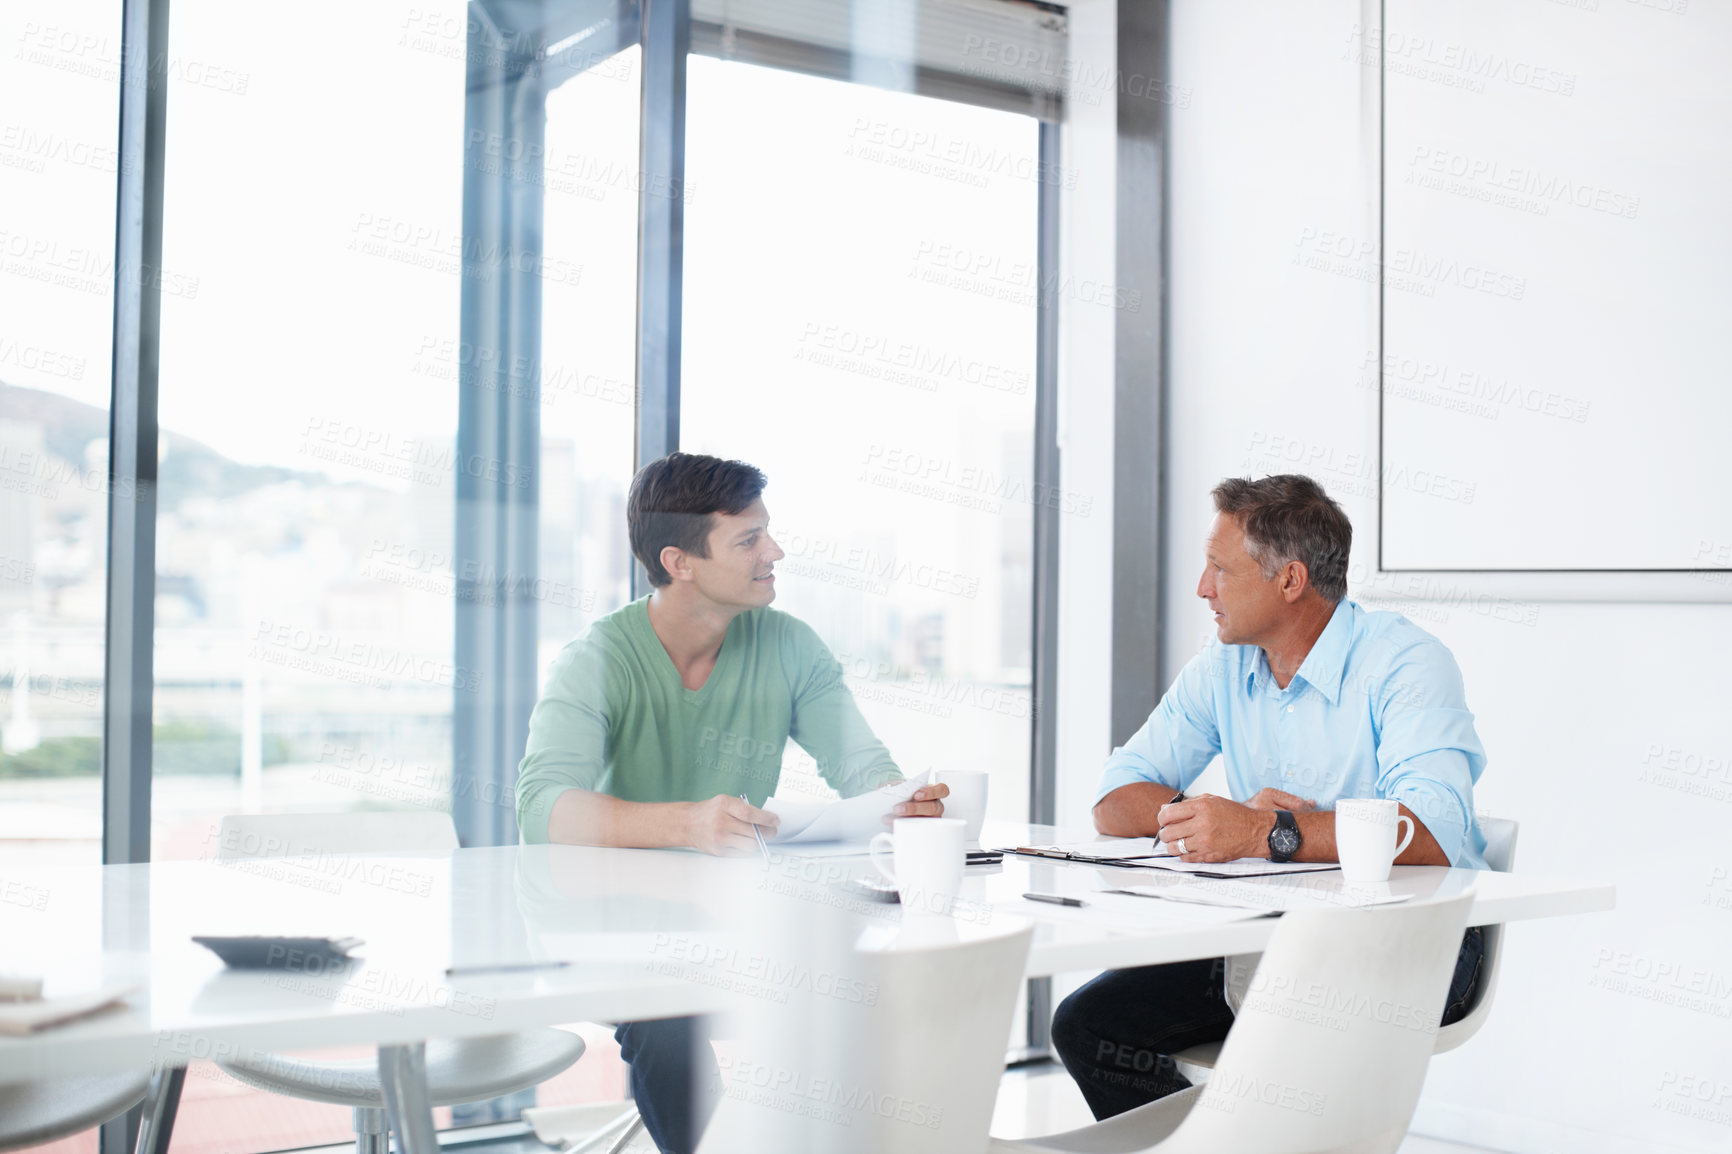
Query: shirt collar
point(1323, 667)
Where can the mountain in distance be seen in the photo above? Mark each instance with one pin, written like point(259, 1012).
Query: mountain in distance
point(188, 468)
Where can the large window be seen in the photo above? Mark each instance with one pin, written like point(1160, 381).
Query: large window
point(860, 286)
point(309, 386)
point(60, 91)
point(588, 394)
point(398, 396)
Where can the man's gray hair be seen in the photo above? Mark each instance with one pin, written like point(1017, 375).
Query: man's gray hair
point(1289, 517)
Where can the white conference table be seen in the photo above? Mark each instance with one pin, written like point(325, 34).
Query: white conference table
point(644, 933)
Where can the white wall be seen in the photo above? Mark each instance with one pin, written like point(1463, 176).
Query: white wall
point(1612, 1032)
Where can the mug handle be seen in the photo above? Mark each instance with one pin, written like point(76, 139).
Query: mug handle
point(888, 844)
point(1405, 842)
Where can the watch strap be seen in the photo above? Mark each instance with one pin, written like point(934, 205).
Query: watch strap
point(1283, 821)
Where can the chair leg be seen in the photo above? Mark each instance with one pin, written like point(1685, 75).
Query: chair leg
point(372, 1131)
point(614, 1135)
point(403, 1077)
point(630, 1133)
point(161, 1103)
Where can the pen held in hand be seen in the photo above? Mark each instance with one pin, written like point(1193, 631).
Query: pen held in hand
point(759, 833)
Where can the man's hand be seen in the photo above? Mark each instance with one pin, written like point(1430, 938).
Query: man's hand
point(924, 803)
point(1216, 829)
point(1273, 799)
point(723, 825)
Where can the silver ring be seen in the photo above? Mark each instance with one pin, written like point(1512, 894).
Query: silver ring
point(1182, 850)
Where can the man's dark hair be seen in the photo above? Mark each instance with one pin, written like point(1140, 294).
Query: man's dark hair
point(672, 502)
point(1290, 518)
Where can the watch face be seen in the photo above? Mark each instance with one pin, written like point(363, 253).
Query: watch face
point(1284, 841)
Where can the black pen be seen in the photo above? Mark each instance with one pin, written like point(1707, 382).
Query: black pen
point(504, 968)
point(1054, 899)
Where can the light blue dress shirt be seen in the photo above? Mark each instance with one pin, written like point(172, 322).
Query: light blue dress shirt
point(1376, 709)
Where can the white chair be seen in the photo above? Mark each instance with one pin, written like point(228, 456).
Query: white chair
point(1500, 847)
point(1500, 843)
point(1328, 1053)
point(463, 1070)
point(32, 1113)
point(897, 1049)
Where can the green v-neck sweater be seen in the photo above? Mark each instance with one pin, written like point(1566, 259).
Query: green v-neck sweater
point(615, 719)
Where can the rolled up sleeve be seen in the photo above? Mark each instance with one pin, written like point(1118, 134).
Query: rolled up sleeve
point(567, 746)
point(1180, 738)
point(1428, 753)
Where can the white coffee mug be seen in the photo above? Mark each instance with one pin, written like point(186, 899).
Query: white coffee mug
point(966, 800)
point(1365, 837)
point(926, 862)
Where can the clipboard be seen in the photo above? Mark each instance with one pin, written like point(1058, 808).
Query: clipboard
point(1057, 853)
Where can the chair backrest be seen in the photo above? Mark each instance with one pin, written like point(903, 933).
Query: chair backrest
point(408, 833)
point(1500, 842)
point(1329, 1050)
point(896, 1049)
point(1500, 848)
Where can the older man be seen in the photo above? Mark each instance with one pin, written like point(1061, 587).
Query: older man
point(1302, 690)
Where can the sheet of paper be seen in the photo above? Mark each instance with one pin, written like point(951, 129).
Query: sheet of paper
point(855, 819)
point(1244, 867)
point(1262, 897)
point(1121, 911)
point(823, 849)
point(1108, 848)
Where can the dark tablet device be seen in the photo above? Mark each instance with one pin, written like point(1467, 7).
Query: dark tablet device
point(984, 857)
point(305, 955)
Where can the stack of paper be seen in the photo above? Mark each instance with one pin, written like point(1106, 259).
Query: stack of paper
point(41, 1013)
point(854, 820)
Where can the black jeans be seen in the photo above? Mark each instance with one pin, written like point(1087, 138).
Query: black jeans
point(674, 1078)
point(1116, 1034)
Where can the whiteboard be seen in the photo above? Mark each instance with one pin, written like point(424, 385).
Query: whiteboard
point(1556, 362)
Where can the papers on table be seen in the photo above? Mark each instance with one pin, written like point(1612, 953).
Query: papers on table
point(1244, 867)
point(1102, 851)
point(1265, 896)
point(1149, 853)
point(854, 820)
point(1128, 912)
point(14, 989)
point(28, 1017)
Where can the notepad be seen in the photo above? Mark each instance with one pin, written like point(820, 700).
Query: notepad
point(28, 1017)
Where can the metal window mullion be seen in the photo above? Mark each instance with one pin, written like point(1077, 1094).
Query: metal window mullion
point(520, 448)
point(130, 619)
point(1139, 374)
point(132, 441)
point(1043, 759)
point(665, 29)
point(497, 517)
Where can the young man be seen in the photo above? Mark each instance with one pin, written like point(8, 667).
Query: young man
point(1301, 690)
point(658, 718)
